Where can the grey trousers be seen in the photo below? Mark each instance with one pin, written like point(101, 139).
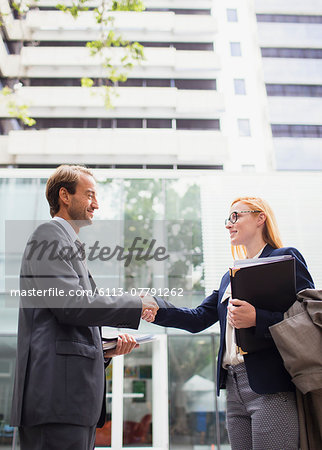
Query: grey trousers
point(259, 421)
point(57, 436)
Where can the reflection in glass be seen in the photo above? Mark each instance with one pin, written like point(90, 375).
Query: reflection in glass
point(7, 365)
point(103, 435)
point(140, 206)
point(197, 417)
point(137, 424)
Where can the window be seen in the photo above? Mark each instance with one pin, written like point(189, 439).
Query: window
point(12, 47)
point(195, 84)
point(129, 123)
point(156, 44)
point(43, 123)
point(7, 365)
point(200, 167)
point(314, 53)
point(294, 90)
point(232, 15)
point(133, 82)
point(56, 44)
point(7, 125)
point(243, 127)
point(288, 18)
point(194, 46)
point(198, 124)
point(159, 123)
point(182, 11)
point(239, 85)
point(138, 397)
point(6, 47)
point(235, 49)
point(199, 12)
point(304, 131)
point(200, 46)
point(190, 423)
point(55, 82)
point(158, 83)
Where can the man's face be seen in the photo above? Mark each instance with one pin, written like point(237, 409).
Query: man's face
point(83, 202)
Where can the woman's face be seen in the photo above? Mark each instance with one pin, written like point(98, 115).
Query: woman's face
point(247, 226)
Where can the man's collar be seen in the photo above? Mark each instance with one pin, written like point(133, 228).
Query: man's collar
point(69, 229)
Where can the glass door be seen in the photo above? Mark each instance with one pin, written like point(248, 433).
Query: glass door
point(137, 400)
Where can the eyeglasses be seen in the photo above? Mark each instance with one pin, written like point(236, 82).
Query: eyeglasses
point(234, 215)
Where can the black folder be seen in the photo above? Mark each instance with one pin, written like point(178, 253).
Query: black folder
point(266, 283)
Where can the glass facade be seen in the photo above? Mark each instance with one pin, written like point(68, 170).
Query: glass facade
point(197, 416)
point(288, 18)
point(170, 207)
point(294, 90)
point(303, 131)
point(138, 398)
point(7, 363)
point(273, 52)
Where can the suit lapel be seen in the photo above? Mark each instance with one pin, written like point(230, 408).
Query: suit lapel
point(79, 265)
point(267, 251)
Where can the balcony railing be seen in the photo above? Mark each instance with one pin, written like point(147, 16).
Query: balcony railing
point(143, 146)
point(128, 102)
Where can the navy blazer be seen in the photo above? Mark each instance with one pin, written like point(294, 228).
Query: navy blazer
point(265, 369)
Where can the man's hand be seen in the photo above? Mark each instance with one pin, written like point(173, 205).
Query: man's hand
point(125, 344)
point(241, 314)
point(149, 308)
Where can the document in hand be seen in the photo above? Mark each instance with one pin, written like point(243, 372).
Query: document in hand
point(109, 343)
point(266, 283)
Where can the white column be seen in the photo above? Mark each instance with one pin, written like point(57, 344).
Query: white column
point(160, 416)
point(117, 403)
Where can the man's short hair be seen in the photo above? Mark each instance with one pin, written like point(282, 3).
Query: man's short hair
point(66, 176)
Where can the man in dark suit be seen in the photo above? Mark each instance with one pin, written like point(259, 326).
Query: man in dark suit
point(59, 391)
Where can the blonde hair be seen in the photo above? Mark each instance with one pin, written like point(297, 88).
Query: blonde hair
point(271, 234)
point(66, 176)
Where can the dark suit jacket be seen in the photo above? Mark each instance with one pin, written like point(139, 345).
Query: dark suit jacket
point(60, 365)
point(265, 369)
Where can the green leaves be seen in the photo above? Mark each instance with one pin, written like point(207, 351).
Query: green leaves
point(14, 108)
point(75, 9)
point(20, 6)
point(116, 55)
point(87, 82)
point(116, 63)
point(128, 5)
point(95, 46)
point(6, 91)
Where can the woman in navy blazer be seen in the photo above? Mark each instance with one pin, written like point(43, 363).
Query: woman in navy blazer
point(264, 398)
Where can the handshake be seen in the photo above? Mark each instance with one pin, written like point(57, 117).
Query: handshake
point(149, 308)
point(126, 343)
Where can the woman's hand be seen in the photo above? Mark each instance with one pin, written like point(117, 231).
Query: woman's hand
point(241, 314)
point(148, 315)
point(125, 344)
point(149, 308)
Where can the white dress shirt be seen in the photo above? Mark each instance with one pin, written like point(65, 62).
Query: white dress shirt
point(70, 230)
